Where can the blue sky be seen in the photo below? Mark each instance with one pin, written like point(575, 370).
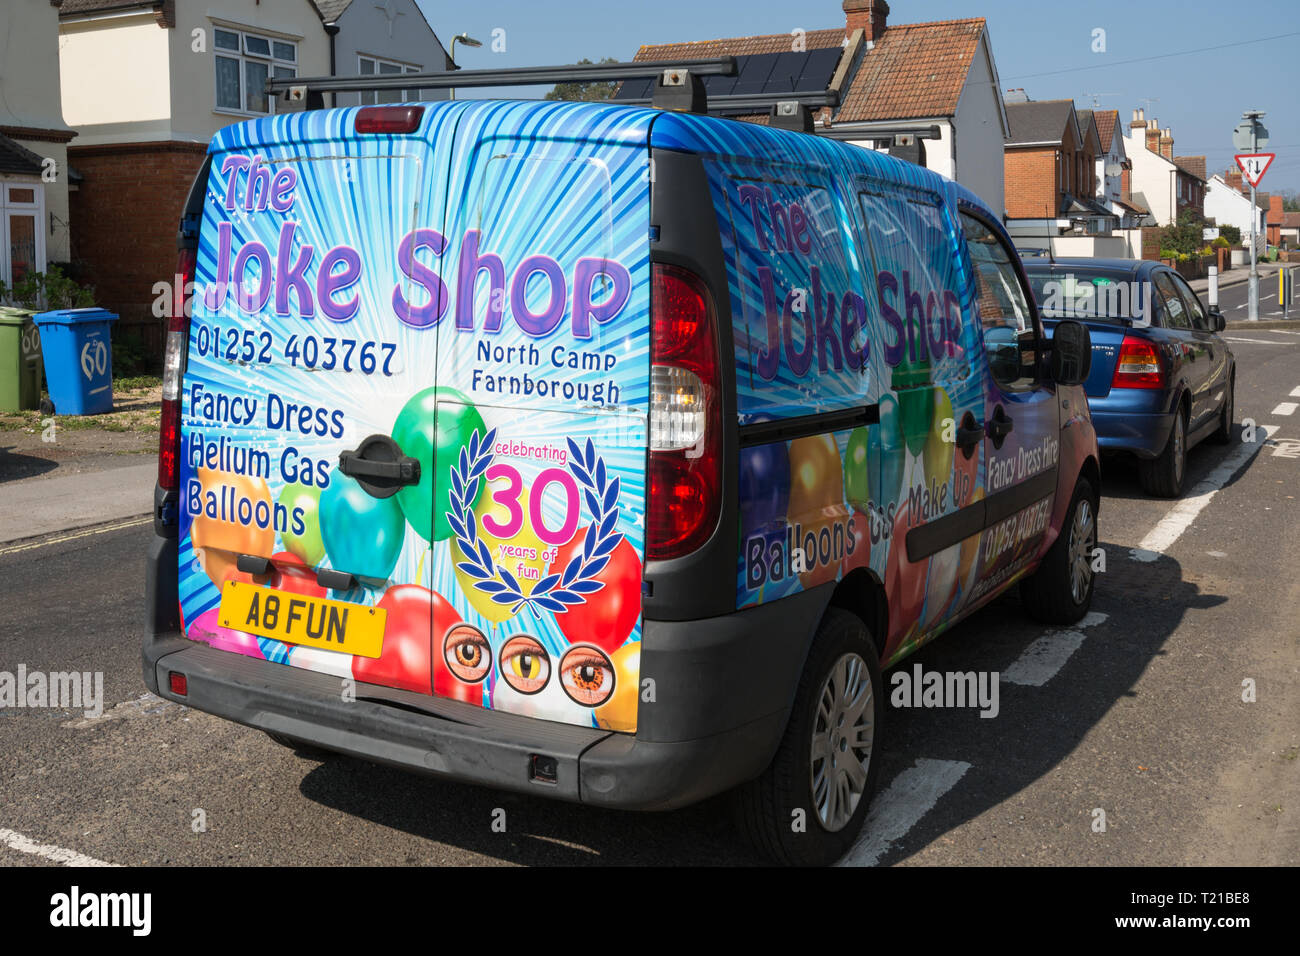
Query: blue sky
point(1200, 95)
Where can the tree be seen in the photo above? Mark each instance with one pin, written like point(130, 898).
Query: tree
point(1290, 200)
point(1185, 235)
point(588, 91)
point(1231, 233)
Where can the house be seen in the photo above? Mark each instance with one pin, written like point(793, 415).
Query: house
point(1275, 215)
point(34, 173)
point(390, 38)
point(1054, 174)
point(1113, 169)
point(146, 84)
point(895, 81)
point(1227, 205)
point(1157, 182)
point(1290, 230)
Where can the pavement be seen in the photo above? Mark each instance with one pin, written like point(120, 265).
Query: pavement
point(34, 507)
point(1239, 274)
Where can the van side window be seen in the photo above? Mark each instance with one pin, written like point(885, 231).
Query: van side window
point(1003, 308)
point(1176, 315)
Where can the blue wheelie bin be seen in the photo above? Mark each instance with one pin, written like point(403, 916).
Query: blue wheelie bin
point(78, 359)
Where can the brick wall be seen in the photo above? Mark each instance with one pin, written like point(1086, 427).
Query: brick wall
point(1031, 183)
point(1151, 242)
point(124, 219)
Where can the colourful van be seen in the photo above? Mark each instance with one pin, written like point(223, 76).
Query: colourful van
point(599, 452)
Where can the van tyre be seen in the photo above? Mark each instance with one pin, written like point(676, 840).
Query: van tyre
point(1060, 591)
point(1163, 476)
point(807, 807)
point(1223, 434)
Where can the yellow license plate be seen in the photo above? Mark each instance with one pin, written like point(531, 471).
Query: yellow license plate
point(300, 619)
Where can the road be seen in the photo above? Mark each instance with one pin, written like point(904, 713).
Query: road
point(1233, 299)
point(1138, 713)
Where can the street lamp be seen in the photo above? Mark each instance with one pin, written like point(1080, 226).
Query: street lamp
point(466, 39)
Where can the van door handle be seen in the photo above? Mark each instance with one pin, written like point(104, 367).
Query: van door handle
point(969, 437)
point(999, 426)
point(379, 466)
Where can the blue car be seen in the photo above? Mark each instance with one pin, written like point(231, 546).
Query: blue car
point(1162, 378)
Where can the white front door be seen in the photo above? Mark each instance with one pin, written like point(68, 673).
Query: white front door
point(22, 238)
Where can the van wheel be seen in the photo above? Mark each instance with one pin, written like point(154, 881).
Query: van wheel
point(1163, 476)
point(299, 746)
point(1060, 591)
point(808, 806)
point(1223, 434)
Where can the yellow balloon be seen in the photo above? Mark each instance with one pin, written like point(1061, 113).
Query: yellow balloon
point(620, 712)
point(523, 555)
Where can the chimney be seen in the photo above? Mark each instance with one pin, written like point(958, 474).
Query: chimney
point(1153, 136)
point(1167, 144)
point(1126, 184)
point(868, 16)
point(1233, 178)
point(1139, 120)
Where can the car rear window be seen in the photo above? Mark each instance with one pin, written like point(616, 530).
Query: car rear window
point(1086, 295)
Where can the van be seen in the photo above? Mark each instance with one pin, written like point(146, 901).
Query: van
point(599, 452)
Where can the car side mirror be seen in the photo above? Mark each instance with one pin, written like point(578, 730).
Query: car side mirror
point(1218, 319)
point(1071, 357)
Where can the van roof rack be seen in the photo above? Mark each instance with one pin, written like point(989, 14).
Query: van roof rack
point(677, 82)
point(785, 110)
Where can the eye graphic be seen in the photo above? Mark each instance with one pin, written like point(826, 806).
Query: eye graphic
point(587, 676)
point(467, 653)
point(525, 664)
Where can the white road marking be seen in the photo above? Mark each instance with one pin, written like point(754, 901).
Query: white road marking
point(47, 851)
point(1233, 338)
point(72, 536)
point(1295, 392)
point(1042, 660)
point(1178, 518)
point(1285, 408)
point(911, 795)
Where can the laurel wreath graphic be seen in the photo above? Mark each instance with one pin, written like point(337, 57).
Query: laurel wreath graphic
point(554, 592)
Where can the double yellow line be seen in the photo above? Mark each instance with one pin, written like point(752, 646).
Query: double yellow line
point(74, 535)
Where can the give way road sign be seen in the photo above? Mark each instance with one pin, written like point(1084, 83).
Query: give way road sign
point(1254, 165)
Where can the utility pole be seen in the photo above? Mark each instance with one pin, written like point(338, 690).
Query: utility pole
point(1251, 133)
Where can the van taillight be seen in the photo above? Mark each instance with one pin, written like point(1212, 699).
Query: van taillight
point(1138, 365)
point(685, 457)
point(388, 119)
point(178, 327)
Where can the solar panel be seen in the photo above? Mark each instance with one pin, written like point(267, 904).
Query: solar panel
point(788, 71)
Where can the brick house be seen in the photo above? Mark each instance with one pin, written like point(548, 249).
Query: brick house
point(35, 180)
point(1290, 230)
point(1275, 218)
point(1158, 181)
point(893, 79)
point(1191, 183)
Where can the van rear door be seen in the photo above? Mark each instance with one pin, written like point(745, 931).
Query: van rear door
point(413, 425)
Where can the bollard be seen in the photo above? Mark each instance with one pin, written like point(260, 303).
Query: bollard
point(1214, 287)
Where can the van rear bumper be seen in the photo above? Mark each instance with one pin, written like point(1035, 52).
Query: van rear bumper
point(459, 741)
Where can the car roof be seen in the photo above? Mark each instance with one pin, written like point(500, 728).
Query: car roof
point(1113, 267)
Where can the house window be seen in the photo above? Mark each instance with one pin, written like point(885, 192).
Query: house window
point(22, 240)
point(372, 65)
point(244, 62)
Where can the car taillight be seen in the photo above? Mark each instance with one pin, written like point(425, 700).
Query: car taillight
point(388, 119)
point(1138, 365)
point(685, 457)
point(178, 326)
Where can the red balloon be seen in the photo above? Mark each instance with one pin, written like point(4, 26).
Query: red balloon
point(904, 581)
point(608, 616)
point(292, 574)
point(406, 660)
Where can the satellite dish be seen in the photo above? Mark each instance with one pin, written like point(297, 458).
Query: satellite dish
point(1114, 169)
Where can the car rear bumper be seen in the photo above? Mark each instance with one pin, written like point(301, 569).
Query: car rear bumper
point(1143, 431)
point(722, 691)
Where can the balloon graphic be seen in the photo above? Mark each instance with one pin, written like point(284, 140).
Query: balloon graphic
point(816, 477)
point(941, 584)
point(608, 616)
point(764, 489)
point(917, 408)
point(940, 443)
point(885, 457)
point(207, 628)
point(308, 545)
point(619, 713)
point(824, 542)
point(218, 543)
point(904, 581)
point(860, 557)
point(527, 571)
point(857, 483)
point(432, 427)
point(291, 574)
point(405, 659)
point(362, 535)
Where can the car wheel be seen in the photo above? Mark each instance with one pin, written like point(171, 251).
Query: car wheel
point(1223, 434)
point(807, 807)
point(1163, 476)
point(1060, 591)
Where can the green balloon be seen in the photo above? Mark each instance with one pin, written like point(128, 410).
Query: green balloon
point(917, 408)
point(432, 427)
point(857, 484)
point(307, 545)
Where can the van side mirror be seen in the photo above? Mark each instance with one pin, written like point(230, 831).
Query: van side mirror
point(1071, 358)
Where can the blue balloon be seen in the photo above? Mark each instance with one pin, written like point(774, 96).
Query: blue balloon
point(764, 489)
point(362, 535)
point(885, 452)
